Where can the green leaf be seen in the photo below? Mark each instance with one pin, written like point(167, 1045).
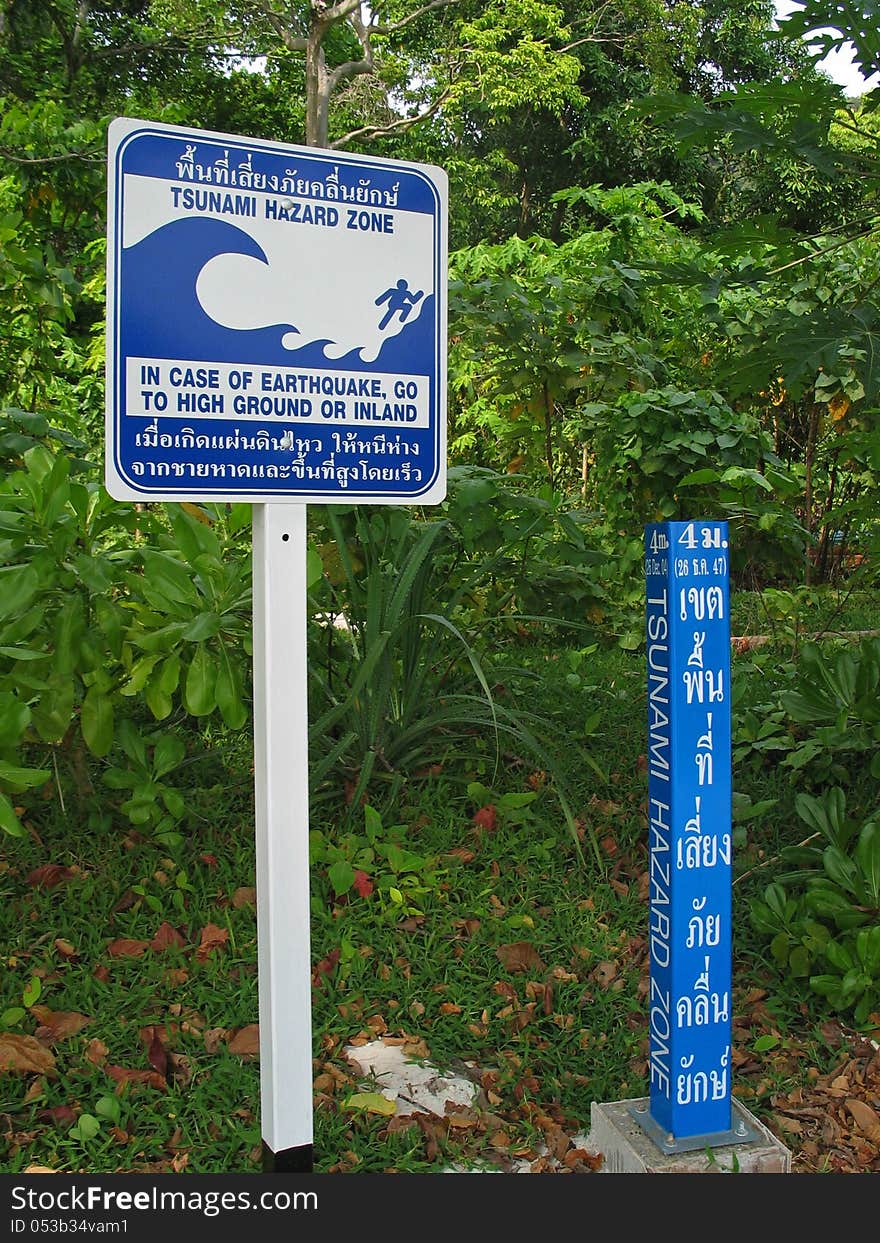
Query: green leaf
point(32, 992)
point(18, 586)
point(168, 753)
point(14, 719)
point(51, 716)
point(763, 1043)
point(18, 779)
point(199, 694)
point(87, 1127)
point(799, 962)
point(109, 1107)
point(9, 821)
point(12, 1017)
point(371, 1102)
point(140, 673)
point(228, 691)
point(96, 720)
point(867, 856)
point(513, 801)
point(205, 626)
point(341, 876)
point(372, 823)
point(157, 701)
point(314, 568)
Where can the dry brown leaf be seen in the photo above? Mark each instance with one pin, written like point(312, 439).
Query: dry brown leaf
point(38, 1169)
point(58, 1115)
point(246, 1041)
point(214, 1037)
point(65, 949)
point(123, 1074)
point(96, 1052)
point(791, 1126)
point(604, 972)
point(23, 1055)
point(167, 937)
point(125, 947)
point(865, 1118)
point(49, 875)
point(245, 895)
point(156, 1054)
point(520, 956)
point(58, 1024)
point(212, 938)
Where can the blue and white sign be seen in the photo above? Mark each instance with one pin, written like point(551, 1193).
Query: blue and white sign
point(276, 325)
point(690, 836)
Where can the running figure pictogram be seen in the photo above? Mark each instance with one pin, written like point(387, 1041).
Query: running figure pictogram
point(400, 302)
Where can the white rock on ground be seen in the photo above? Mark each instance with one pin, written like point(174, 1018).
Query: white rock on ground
point(416, 1087)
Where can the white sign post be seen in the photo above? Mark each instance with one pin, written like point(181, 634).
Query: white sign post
point(276, 334)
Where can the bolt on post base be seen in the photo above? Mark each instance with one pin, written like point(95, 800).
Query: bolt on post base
point(740, 1133)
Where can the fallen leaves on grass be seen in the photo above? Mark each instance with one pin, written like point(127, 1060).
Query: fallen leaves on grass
point(246, 1041)
point(167, 937)
point(520, 956)
point(126, 947)
point(57, 1024)
point(486, 817)
point(363, 884)
point(212, 938)
point(65, 949)
point(96, 1052)
point(325, 967)
point(865, 1118)
point(371, 1103)
point(62, 1116)
point(461, 854)
point(245, 895)
point(157, 1056)
point(49, 875)
point(833, 1123)
point(25, 1055)
point(604, 973)
point(122, 1075)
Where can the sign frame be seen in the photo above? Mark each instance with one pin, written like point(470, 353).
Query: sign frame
point(394, 403)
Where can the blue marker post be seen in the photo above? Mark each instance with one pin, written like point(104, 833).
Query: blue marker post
point(690, 837)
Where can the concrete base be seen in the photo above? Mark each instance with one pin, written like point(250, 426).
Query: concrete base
point(628, 1149)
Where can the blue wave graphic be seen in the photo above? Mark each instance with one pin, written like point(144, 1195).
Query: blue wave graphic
point(163, 318)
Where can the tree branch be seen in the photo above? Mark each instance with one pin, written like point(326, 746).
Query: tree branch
point(385, 28)
point(350, 69)
point(97, 157)
point(394, 127)
point(293, 43)
point(336, 12)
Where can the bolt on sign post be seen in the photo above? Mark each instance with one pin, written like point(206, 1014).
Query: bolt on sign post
point(276, 334)
point(690, 836)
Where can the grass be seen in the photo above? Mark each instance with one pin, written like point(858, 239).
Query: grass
point(546, 1040)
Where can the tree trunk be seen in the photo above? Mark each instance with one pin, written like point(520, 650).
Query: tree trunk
point(317, 90)
point(809, 455)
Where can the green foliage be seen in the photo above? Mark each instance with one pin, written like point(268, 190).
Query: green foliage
point(520, 555)
point(190, 615)
point(151, 802)
point(835, 706)
point(824, 918)
point(377, 866)
point(401, 688)
point(821, 721)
